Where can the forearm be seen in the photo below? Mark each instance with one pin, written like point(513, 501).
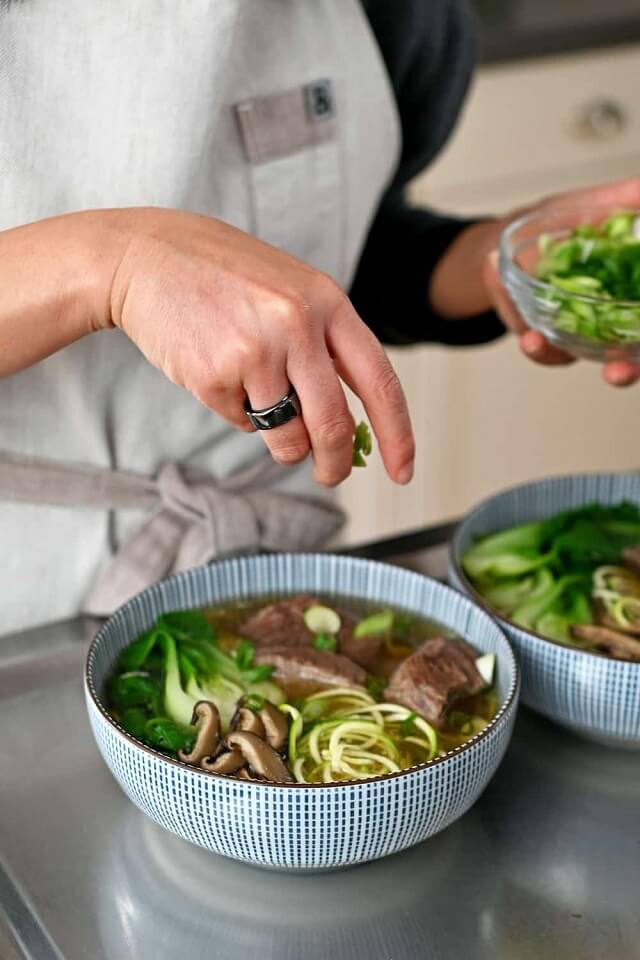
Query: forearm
point(55, 282)
point(405, 246)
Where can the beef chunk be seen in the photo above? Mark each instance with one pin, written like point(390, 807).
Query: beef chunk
point(362, 650)
point(306, 663)
point(280, 624)
point(438, 673)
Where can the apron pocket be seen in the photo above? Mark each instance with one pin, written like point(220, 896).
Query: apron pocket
point(290, 141)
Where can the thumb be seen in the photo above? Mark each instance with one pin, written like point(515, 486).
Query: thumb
point(532, 343)
point(502, 302)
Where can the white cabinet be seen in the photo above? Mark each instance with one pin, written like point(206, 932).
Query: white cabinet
point(485, 417)
point(539, 127)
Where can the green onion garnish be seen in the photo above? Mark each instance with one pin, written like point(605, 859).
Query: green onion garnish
point(325, 641)
point(362, 445)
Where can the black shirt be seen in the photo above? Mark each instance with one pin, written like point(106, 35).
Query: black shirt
point(429, 48)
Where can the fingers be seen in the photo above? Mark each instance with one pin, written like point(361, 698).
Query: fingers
point(621, 373)
point(363, 365)
point(536, 348)
point(532, 343)
point(327, 417)
point(619, 194)
point(265, 386)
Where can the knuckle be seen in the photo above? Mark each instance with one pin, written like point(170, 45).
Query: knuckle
point(204, 389)
point(291, 312)
point(387, 388)
point(251, 352)
point(332, 477)
point(334, 434)
point(331, 289)
point(290, 451)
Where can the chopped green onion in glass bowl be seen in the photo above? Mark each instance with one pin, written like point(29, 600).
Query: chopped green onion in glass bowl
point(573, 272)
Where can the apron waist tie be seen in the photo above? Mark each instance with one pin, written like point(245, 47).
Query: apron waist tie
point(194, 518)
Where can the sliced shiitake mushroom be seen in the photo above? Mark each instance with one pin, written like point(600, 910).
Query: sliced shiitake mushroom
point(261, 758)
point(275, 724)
point(248, 720)
point(617, 644)
point(228, 762)
point(206, 716)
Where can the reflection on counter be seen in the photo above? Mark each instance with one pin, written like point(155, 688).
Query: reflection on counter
point(560, 877)
point(389, 908)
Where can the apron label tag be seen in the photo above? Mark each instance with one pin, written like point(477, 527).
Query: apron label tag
point(320, 100)
point(284, 123)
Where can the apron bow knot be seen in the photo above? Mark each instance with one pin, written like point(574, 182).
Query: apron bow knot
point(199, 519)
point(194, 517)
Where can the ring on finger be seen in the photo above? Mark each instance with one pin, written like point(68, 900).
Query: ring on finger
point(276, 415)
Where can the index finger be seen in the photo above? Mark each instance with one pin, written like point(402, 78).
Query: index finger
point(363, 365)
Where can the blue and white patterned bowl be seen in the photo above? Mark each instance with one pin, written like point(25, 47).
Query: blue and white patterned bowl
point(592, 695)
point(317, 826)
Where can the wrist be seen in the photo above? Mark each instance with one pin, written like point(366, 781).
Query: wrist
point(98, 240)
point(457, 288)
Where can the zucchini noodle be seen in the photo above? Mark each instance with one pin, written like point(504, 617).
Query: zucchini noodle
point(343, 734)
point(626, 612)
point(618, 590)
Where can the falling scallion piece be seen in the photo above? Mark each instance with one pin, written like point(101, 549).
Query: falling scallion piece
point(362, 444)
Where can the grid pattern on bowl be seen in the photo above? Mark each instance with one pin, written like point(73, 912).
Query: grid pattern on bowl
point(594, 695)
point(291, 827)
point(300, 826)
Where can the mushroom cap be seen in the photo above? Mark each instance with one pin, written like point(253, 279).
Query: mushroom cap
point(262, 758)
point(206, 715)
point(229, 762)
point(276, 726)
point(246, 719)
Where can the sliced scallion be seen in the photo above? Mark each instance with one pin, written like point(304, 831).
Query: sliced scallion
point(377, 623)
point(320, 620)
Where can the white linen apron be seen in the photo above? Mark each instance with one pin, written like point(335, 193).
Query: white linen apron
point(123, 103)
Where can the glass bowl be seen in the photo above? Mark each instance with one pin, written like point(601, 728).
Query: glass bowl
point(594, 327)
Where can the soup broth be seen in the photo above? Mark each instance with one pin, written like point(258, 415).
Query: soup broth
point(364, 691)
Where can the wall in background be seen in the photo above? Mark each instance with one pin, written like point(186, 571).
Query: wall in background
point(485, 417)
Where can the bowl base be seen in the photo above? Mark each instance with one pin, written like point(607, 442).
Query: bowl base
point(604, 740)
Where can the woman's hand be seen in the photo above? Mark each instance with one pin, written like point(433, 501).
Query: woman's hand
point(220, 313)
point(226, 316)
point(467, 280)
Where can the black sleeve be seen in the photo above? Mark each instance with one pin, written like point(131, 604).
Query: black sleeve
point(429, 47)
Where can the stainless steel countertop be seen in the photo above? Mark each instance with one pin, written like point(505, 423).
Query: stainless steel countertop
point(546, 865)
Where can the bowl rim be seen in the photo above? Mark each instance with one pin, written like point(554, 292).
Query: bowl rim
point(505, 708)
point(478, 599)
point(541, 285)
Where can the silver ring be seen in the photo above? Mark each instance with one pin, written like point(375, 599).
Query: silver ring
point(271, 417)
